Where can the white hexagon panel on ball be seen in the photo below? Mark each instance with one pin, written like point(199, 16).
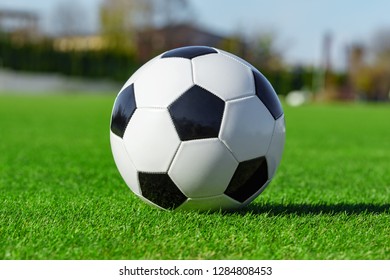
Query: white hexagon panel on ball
point(151, 140)
point(223, 76)
point(202, 168)
point(139, 72)
point(162, 82)
point(247, 128)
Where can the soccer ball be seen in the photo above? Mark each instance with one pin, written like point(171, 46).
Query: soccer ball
point(197, 128)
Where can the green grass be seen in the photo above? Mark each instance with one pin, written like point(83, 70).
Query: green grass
point(61, 196)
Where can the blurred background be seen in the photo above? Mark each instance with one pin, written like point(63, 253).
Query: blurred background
point(309, 50)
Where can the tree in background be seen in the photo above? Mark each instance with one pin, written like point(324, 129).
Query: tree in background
point(265, 52)
point(260, 49)
point(369, 68)
point(381, 73)
point(121, 21)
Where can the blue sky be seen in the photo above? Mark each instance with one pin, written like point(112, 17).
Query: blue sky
point(299, 25)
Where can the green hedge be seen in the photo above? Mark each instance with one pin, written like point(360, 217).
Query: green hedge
point(42, 57)
point(111, 64)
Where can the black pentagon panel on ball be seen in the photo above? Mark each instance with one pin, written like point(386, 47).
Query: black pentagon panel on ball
point(124, 108)
point(161, 190)
point(197, 114)
point(189, 52)
point(267, 95)
point(248, 178)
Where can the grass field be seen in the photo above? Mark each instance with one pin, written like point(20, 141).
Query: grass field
point(61, 196)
